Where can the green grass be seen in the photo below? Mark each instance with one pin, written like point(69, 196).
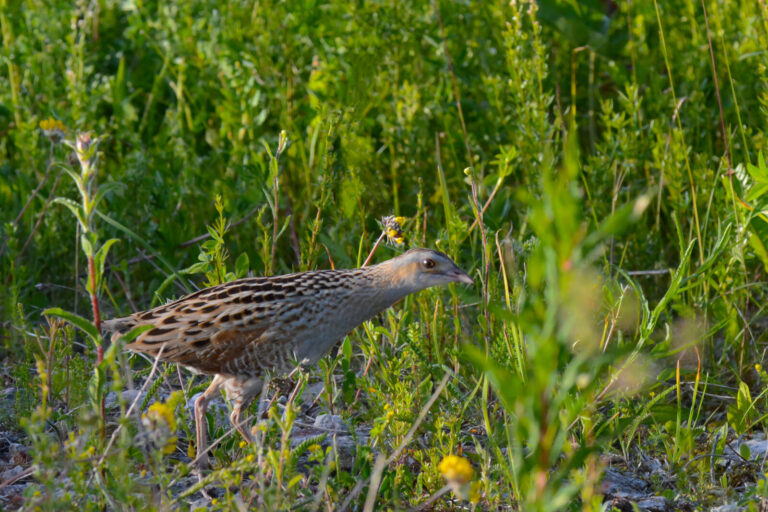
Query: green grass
point(603, 183)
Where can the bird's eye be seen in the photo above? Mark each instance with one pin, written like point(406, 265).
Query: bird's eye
point(428, 263)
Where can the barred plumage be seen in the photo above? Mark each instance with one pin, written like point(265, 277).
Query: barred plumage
point(245, 330)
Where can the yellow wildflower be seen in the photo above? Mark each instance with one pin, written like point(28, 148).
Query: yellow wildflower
point(53, 129)
point(456, 469)
point(758, 367)
point(314, 448)
point(161, 424)
point(160, 410)
point(458, 472)
point(393, 229)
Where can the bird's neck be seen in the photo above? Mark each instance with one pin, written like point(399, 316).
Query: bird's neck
point(387, 285)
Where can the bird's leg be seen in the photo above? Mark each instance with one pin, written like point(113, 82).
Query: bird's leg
point(201, 427)
point(237, 419)
point(241, 392)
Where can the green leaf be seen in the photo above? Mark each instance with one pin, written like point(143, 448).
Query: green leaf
point(96, 387)
point(78, 321)
point(196, 268)
point(103, 190)
point(101, 256)
point(242, 265)
point(758, 244)
point(75, 208)
point(86, 243)
point(286, 223)
point(75, 177)
point(135, 333)
point(759, 172)
point(622, 218)
point(674, 286)
point(740, 415)
point(744, 451)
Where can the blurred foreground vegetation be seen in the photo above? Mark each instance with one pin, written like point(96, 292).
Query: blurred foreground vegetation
point(597, 166)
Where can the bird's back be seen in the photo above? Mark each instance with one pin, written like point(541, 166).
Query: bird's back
point(247, 326)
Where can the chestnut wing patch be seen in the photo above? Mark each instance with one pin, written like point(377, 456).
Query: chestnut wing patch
point(209, 354)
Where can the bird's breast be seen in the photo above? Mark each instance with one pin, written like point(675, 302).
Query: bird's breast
point(325, 322)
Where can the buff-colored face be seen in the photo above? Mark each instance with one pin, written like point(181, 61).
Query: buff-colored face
point(423, 268)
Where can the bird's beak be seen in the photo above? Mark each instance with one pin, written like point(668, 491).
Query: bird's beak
point(460, 276)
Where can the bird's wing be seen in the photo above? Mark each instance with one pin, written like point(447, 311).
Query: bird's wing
point(210, 329)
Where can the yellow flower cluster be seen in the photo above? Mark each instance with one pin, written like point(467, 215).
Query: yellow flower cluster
point(51, 124)
point(159, 411)
point(53, 129)
point(456, 469)
point(458, 472)
point(161, 422)
point(393, 229)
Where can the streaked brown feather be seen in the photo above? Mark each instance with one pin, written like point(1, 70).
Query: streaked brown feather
point(243, 330)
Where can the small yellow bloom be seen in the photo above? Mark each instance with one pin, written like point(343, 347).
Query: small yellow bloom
point(250, 458)
point(214, 501)
point(314, 448)
point(53, 129)
point(758, 368)
point(161, 411)
point(242, 444)
point(393, 229)
point(456, 469)
point(160, 421)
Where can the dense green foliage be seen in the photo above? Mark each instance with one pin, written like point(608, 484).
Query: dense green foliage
point(597, 167)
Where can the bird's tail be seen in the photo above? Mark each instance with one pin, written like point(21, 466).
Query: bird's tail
point(117, 327)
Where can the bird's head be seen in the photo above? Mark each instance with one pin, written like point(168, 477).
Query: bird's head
point(418, 269)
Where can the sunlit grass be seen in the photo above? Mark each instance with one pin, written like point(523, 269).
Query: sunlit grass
point(579, 164)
